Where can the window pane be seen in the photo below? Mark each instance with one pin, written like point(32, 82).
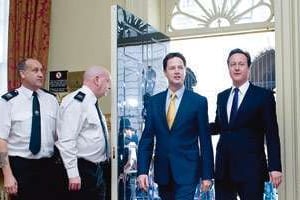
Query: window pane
point(3, 44)
point(197, 14)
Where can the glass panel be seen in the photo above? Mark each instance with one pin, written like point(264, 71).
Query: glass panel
point(263, 69)
point(139, 75)
point(4, 14)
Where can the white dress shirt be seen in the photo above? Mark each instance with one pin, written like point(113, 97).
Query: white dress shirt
point(179, 94)
point(242, 92)
point(16, 119)
point(80, 134)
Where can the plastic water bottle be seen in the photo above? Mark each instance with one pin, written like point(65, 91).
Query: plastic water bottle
point(205, 196)
point(209, 195)
point(270, 192)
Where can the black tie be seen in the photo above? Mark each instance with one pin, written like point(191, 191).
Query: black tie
point(234, 107)
point(103, 129)
point(35, 138)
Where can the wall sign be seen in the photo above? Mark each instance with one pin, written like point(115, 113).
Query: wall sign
point(58, 81)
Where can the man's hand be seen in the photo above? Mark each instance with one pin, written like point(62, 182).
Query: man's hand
point(143, 181)
point(205, 185)
point(275, 178)
point(74, 184)
point(10, 184)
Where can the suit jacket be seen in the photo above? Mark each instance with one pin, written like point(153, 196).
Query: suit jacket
point(177, 152)
point(240, 153)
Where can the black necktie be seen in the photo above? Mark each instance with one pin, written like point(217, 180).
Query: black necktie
point(103, 129)
point(234, 107)
point(35, 138)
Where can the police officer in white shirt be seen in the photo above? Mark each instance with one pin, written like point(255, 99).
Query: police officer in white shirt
point(25, 158)
point(82, 136)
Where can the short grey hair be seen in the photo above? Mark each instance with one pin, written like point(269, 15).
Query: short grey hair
point(22, 64)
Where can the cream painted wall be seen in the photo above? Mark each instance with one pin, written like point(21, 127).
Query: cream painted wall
point(148, 10)
point(287, 32)
point(80, 36)
point(80, 33)
point(154, 16)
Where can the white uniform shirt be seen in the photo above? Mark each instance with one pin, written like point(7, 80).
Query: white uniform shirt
point(16, 118)
point(79, 131)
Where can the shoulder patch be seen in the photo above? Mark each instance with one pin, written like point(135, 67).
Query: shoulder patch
point(8, 96)
point(47, 91)
point(79, 96)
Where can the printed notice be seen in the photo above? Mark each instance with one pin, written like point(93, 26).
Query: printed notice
point(58, 81)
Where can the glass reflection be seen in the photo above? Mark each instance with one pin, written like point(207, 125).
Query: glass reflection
point(140, 52)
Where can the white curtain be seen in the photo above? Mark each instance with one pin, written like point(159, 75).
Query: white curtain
point(4, 10)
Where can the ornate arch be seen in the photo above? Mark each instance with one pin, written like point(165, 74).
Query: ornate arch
point(218, 16)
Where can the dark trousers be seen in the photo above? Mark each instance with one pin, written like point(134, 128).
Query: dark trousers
point(107, 178)
point(35, 178)
point(93, 183)
point(61, 179)
point(173, 191)
point(248, 190)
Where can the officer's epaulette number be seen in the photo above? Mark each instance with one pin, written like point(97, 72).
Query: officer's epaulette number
point(79, 96)
point(47, 91)
point(8, 96)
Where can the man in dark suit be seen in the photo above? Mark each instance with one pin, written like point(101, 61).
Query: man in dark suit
point(245, 118)
point(176, 123)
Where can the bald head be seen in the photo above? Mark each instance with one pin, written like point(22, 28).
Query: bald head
point(94, 71)
point(98, 79)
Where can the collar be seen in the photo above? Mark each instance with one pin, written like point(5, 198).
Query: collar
point(242, 89)
point(27, 92)
point(89, 93)
point(179, 93)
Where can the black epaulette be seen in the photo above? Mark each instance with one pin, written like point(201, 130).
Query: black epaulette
point(8, 96)
point(47, 91)
point(79, 96)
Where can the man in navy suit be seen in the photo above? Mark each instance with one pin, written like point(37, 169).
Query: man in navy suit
point(179, 162)
point(245, 119)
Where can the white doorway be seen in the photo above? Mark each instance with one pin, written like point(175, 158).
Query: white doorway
point(206, 57)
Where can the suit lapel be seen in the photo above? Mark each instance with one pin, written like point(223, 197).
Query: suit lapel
point(181, 108)
point(162, 107)
point(223, 106)
point(246, 103)
point(244, 106)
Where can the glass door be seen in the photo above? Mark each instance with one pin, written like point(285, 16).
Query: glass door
point(138, 72)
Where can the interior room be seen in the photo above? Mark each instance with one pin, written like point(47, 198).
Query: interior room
point(130, 39)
